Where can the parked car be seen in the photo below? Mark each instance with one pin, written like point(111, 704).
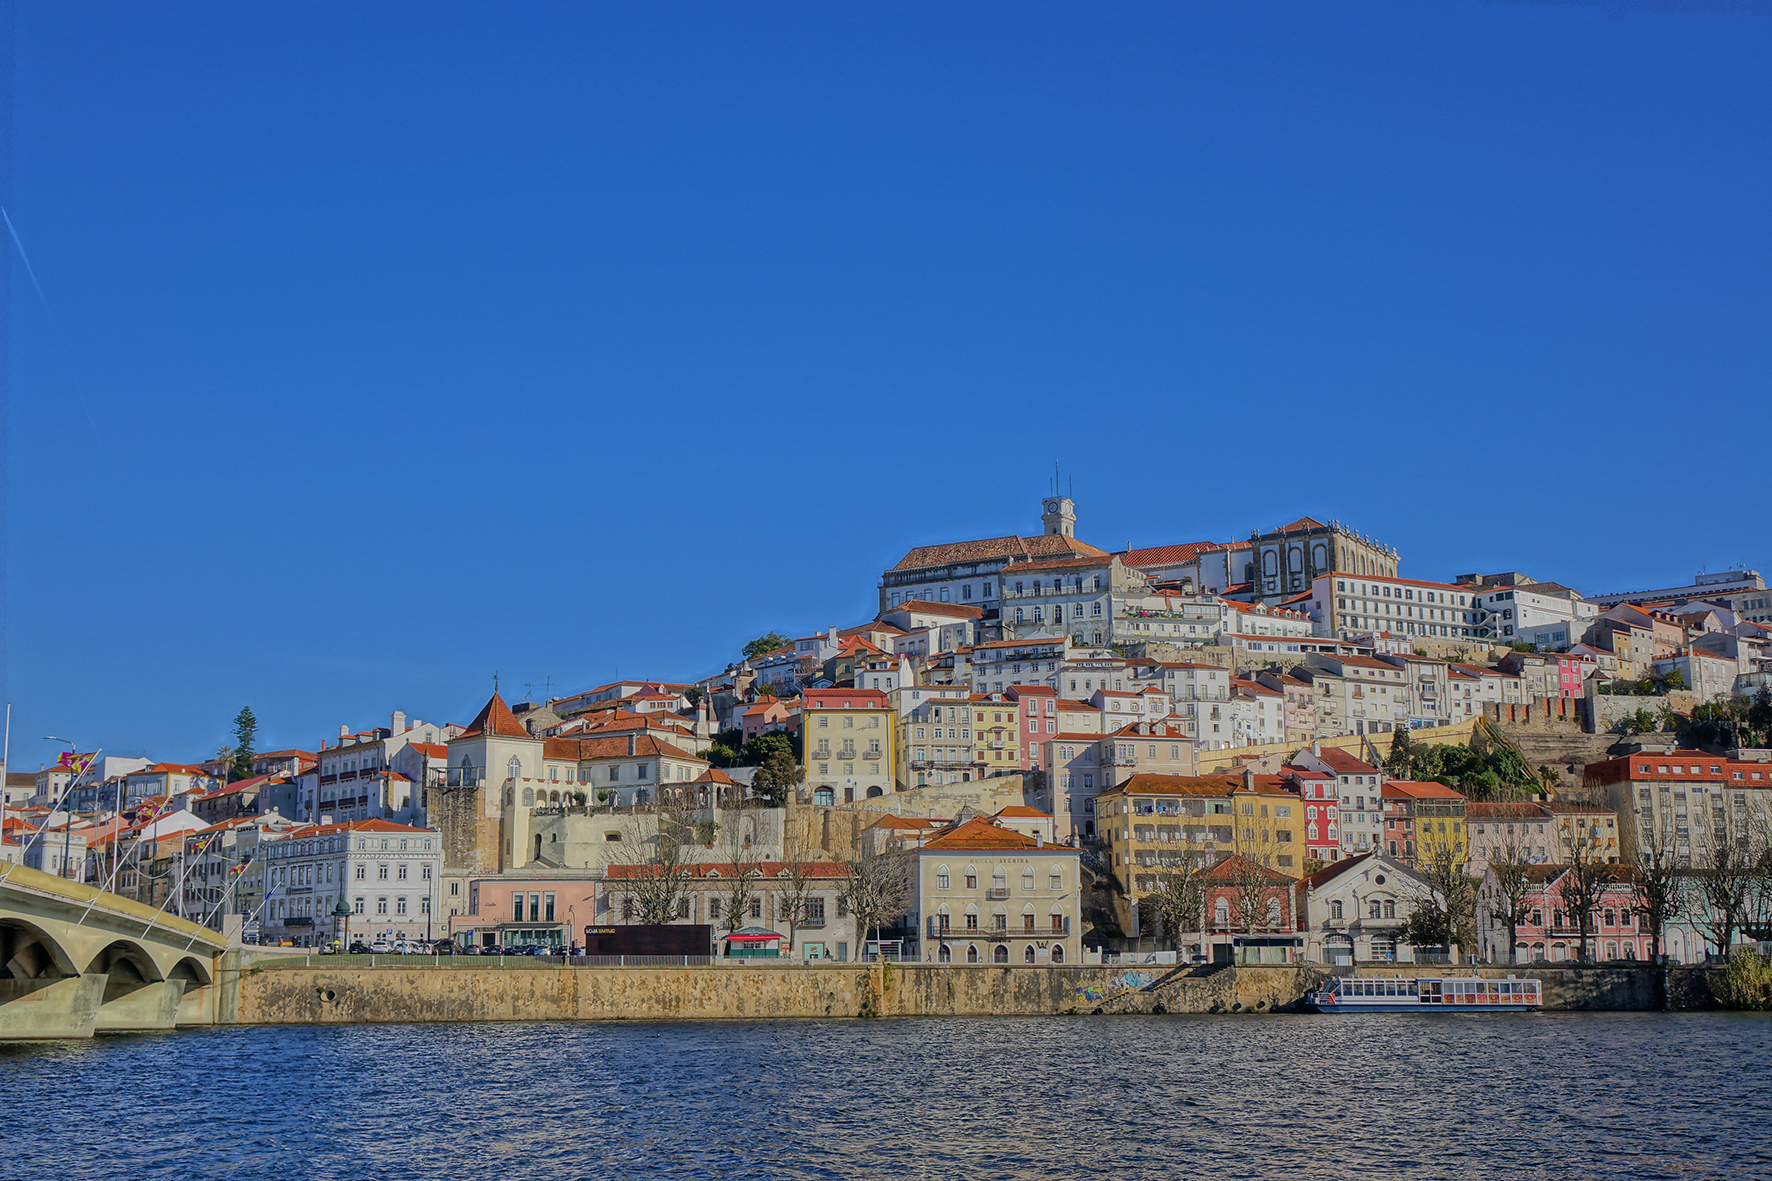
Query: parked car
point(359, 948)
point(381, 947)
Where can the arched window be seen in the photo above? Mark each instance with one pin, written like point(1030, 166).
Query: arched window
point(1055, 880)
point(942, 881)
point(1390, 908)
point(972, 953)
point(528, 797)
point(1027, 954)
point(1374, 909)
point(1335, 910)
point(1273, 912)
point(1058, 953)
point(1027, 879)
point(999, 879)
point(1000, 954)
point(824, 796)
point(1320, 560)
point(515, 767)
point(1027, 918)
point(1221, 913)
point(971, 877)
point(946, 954)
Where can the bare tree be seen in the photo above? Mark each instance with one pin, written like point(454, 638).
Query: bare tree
point(739, 868)
point(1661, 887)
point(800, 866)
point(1584, 885)
point(1513, 884)
point(1724, 884)
point(1251, 884)
point(877, 888)
point(1447, 912)
point(1179, 902)
point(658, 847)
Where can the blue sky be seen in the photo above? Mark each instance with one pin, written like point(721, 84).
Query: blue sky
point(391, 346)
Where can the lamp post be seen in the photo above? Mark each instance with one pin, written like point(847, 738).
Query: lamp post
point(68, 818)
point(341, 914)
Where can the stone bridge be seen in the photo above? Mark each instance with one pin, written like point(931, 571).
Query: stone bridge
point(75, 960)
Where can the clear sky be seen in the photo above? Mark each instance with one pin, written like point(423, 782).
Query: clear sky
point(389, 346)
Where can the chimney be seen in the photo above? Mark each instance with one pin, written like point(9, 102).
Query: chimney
point(344, 732)
point(398, 723)
point(1317, 749)
point(1248, 778)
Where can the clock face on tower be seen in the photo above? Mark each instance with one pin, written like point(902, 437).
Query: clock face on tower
point(1051, 506)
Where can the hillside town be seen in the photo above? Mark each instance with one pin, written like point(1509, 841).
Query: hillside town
point(1275, 749)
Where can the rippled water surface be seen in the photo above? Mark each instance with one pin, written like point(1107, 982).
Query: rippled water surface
point(1546, 1095)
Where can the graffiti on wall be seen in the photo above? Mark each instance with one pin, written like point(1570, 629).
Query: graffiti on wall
point(1114, 986)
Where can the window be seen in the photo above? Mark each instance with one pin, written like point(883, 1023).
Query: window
point(941, 880)
point(400, 905)
point(381, 906)
point(357, 906)
point(361, 871)
point(381, 873)
point(1335, 910)
point(400, 871)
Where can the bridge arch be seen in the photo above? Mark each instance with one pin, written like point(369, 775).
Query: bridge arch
point(27, 952)
point(128, 959)
point(193, 971)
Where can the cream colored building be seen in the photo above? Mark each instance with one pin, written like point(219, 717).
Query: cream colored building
point(983, 893)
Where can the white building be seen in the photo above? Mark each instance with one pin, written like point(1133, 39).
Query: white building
point(1544, 614)
point(387, 873)
point(1357, 910)
point(1347, 605)
point(1359, 790)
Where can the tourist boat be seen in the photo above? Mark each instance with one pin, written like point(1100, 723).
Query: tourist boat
point(1425, 994)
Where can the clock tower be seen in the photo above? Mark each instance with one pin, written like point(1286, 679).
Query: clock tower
point(1060, 517)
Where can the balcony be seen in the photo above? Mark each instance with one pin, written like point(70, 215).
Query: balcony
point(816, 924)
point(997, 894)
point(461, 777)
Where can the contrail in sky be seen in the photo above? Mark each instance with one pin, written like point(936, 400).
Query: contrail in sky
point(29, 270)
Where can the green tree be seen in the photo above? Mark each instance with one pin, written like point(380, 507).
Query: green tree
point(778, 775)
point(1401, 763)
point(765, 644)
point(245, 734)
point(1674, 681)
point(763, 747)
point(694, 694)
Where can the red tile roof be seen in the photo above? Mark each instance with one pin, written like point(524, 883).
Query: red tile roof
point(1009, 549)
point(980, 833)
point(495, 719)
point(1170, 555)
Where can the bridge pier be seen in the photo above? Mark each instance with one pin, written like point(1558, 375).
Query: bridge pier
point(50, 1007)
point(140, 1007)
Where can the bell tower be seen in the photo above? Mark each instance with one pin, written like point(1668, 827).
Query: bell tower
point(1060, 517)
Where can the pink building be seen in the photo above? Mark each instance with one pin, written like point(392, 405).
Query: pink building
point(515, 910)
point(1547, 931)
point(768, 716)
point(1038, 720)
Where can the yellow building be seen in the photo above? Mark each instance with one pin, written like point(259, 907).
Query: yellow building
point(1158, 823)
point(1422, 818)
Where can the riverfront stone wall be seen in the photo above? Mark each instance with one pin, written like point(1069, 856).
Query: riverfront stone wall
point(277, 994)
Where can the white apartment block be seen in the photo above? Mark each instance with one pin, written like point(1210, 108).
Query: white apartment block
point(1540, 613)
point(1346, 605)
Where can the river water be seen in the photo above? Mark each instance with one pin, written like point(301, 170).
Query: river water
point(1383, 1096)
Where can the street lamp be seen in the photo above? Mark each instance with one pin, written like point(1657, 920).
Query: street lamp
point(67, 792)
point(341, 913)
